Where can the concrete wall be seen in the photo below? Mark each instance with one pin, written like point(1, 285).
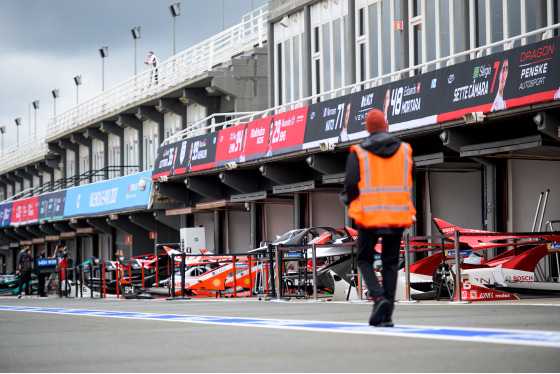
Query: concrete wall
point(238, 232)
point(527, 180)
point(207, 221)
point(456, 198)
point(326, 210)
point(279, 218)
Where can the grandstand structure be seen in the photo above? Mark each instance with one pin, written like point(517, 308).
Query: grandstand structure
point(247, 133)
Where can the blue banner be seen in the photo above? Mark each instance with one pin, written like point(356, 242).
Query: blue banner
point(5, 214)
point(113, 195)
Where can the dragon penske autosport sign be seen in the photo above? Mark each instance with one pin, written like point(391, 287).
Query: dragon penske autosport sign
point(524, 75)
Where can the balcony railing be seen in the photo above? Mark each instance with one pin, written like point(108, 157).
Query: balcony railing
point(193, 62)
point(22, 154)
point(73, 181)
point(211, 125)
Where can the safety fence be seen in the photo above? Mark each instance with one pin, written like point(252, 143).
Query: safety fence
point(180, 275)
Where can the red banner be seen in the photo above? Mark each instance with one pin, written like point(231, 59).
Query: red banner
point(286, 131)
point(230, 144)
point(25, 211)
point(32, 209)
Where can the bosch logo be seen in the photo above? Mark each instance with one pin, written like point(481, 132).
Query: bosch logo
point(523, 278)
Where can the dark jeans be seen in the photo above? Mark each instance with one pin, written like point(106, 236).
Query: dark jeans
point(25, 278)
point(41, 284)
point(367, 239)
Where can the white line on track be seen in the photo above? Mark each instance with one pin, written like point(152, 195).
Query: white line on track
point(496, 336)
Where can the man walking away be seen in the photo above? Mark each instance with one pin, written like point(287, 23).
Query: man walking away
point(378, 184)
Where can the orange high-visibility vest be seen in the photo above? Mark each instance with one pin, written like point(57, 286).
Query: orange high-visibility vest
point(385, 188)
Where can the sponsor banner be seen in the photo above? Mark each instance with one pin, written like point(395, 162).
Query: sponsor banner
point(198, 153)
point(32, 209)
point(108, 196)
point(406, 104)
point(533, 75)
point(256, 140)
point(360, 104)
point(231, 144)
point(508, 79)
point(18, 212)
point(165, 158)
point(410, 102)
point(327, 121)
point(521, 76)
point(51, 205)
point(286, 132)
point(5, 214)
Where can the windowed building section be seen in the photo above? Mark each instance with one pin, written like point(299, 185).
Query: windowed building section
point(321, 46)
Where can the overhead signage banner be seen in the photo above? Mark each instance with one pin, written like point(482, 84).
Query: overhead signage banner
point(51, 205)
point(165, 159)
point(286, 132)
point(24, 211)
point(256, 140)
point(231, 144)
point(411, 102)
point(327, 122)
point(194, 154)
point(19, 212)
point(521, 76)
point(517, 77)
point(108, 196)
point(5, 214)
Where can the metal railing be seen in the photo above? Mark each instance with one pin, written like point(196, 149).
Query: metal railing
point(208, 124)
point(25, 153)
point(193, 62)
point(22, 154)
point(73, 181)
point(196, 129)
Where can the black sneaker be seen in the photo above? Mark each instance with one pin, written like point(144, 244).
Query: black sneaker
point(19, 296)
point(387, 323)
point(381, 312)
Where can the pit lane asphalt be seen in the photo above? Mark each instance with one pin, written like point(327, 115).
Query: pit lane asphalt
point(47, 342)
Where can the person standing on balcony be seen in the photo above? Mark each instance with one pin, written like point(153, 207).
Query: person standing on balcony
point(153, 62)
point(377, 188)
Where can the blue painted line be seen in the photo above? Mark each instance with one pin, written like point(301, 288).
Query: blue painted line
point(516, 337)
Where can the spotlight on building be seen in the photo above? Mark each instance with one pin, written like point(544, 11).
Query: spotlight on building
point(539, 119)
point(474, 117)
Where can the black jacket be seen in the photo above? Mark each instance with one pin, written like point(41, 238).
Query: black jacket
point(24, 261)
point(381, 144)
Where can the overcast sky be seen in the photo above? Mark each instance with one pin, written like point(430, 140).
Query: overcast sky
point(46, 43)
